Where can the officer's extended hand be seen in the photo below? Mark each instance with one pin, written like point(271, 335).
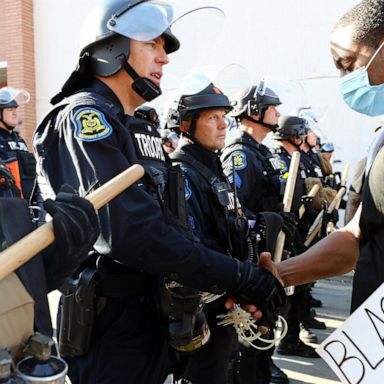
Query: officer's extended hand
point(258, 286)
point(75, 223)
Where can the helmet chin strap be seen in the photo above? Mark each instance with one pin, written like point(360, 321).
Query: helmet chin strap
point(10, 128)
point(296, 145)
point(143, 86)
point(273, 127)
point(309, 145)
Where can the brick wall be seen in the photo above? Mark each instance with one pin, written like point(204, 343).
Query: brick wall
point(17, 49)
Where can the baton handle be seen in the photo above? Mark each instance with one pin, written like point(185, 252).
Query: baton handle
point(287, 201)
point(312, 193)
point(316, 226)
point(23, 250)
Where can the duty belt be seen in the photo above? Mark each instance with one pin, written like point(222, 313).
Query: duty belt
point(125, 285)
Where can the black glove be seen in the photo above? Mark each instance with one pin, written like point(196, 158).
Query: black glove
point(28, 164)
point(75, 223)
point(309, 208)
point(289, 225)
point(7, 180)
point(327, 218)
point(258, 286)
point(333, 216)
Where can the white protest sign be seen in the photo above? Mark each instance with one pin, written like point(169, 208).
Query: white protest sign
point(355, 351)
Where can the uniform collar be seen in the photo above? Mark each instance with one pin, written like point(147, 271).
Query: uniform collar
point(208, 158)
point(281, 149)
point(103, 90)
point(8, 134)
point(246, 137)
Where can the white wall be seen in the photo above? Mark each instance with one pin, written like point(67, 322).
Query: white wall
point(278, 39)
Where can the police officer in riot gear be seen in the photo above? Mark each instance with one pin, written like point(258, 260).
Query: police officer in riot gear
point(200, 119)
point(13, 149)
point(256, 177)
point(290, 136)
point(89, 137)
point(255, 108)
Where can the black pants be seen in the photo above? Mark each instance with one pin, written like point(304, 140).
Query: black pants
point(255, 365)
point(129, 345)
point(297, 311)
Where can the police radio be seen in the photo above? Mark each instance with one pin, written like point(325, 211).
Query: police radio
point(149, 114)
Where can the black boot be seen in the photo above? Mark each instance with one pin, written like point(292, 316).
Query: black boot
point(277, 375)
point(312, 322)
point(307, 335)
point(296, 348)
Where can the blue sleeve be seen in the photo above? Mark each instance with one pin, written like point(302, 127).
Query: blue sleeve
point(132, 224)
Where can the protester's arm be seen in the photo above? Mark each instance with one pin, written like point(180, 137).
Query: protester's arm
point(334, 255)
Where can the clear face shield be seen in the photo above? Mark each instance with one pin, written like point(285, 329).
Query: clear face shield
point(229, 80)
point(13, 97)
point(178, 22)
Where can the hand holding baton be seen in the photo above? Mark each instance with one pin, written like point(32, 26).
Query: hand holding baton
point(316, 226)
point(287, 201)
point(29, 246)
point(343, 183)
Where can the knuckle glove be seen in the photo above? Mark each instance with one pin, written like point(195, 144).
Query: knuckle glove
point(258, 286)
point(74, 220)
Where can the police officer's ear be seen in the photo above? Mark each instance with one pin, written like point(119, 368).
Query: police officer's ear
point(255, 117)
point(185, 125)
point(296, 140)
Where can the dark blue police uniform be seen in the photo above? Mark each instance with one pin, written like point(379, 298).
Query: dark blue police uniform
point(211, 216)
point(13, 149)
point(257, 176)
point(299, 301)
point(85, 141)
point(257, 180)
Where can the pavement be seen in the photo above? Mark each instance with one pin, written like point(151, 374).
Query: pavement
point(336, 297)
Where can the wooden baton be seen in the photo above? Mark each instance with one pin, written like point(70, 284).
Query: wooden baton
point(23, 250)
point(312, 193)
point(287, 201)
point(343, 183)
point(316, 226)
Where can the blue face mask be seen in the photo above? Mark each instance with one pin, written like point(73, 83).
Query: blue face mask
point(359, 94)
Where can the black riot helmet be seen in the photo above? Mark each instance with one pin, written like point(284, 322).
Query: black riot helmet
point(255, 101)
point(187, 106)
point(106, 42)
point(291, 126)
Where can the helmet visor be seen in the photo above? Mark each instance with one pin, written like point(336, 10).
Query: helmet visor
point(143, 20)
point(146, 20)
point(9, 95)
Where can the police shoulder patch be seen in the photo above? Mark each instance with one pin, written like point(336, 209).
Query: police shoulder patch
point(283, 166)
point(239, 160)
point(277, 164)
point(188, 190)
point(91, 125)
